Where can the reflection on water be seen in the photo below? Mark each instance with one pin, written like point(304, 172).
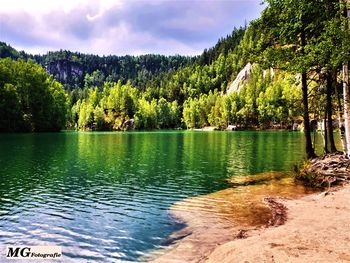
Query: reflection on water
point(105, 196)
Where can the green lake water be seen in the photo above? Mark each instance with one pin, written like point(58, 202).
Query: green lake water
point(105, 196)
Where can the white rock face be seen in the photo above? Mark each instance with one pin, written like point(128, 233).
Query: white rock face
point(272, 72)
point(242, 76)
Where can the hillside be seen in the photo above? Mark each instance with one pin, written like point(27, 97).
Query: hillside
point(74, 69)
point(251, 79)
point(168, 92)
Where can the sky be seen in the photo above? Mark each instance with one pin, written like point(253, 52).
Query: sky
point(121, 27)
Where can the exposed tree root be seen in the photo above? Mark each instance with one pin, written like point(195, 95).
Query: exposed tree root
point(326, 171)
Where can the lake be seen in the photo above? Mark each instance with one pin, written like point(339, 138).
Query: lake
point(105, 196)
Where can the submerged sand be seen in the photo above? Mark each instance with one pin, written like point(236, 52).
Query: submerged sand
point(233, 225)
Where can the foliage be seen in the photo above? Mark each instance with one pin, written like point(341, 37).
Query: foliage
point(30, 100)
point(159, 92)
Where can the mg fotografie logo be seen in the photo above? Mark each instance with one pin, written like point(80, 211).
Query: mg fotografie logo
point(33, 252)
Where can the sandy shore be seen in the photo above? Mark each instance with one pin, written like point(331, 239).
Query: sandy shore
point(233, 226)
point(317, 230)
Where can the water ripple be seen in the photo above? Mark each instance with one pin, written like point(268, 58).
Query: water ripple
point(105, 197)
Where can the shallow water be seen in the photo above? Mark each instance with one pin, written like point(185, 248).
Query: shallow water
point(105, 196)
point(243, 204)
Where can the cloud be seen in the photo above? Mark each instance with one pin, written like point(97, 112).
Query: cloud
point(123, 27)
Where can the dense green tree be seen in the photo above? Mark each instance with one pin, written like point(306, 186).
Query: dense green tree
point(146, 116)
point(30, 99)
point(10, 109)
point(302, 42)
point(167, 114)
point(292, 29)
point(95, 79)
point(310, 38)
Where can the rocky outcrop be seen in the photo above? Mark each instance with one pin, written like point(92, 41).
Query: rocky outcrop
point(128, 125)
point(241, 79)
point(66, 72)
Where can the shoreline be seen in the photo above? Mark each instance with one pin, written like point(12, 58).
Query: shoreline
point(229, 215)
point(288, 226)
point(204, 129)
point(317, 230)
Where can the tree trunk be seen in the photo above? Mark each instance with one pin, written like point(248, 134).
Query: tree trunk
point(307, 129)
point(340, 120)
point(329, 112)
point(325, 132)
point(346, 107)
point(346, 94)
point(345, 129)
point(310, 153)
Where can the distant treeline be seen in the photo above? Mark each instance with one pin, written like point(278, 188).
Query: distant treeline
point(307, 45)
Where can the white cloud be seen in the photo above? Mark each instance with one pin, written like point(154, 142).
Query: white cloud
point(46, 6)
point(121, 26)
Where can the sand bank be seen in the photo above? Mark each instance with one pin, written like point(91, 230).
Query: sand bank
point(239, 213)
point(317, 230)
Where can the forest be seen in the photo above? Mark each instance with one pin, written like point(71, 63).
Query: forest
point(30, 99)
point(299, 76)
